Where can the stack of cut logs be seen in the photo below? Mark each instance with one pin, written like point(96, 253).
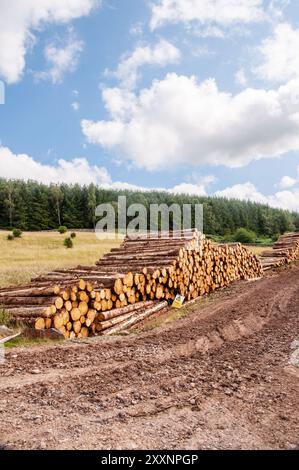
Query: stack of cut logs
point(128, 284)
point(284, 251)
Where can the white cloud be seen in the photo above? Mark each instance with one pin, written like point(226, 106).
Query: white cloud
point(280, 57)
point(20, 19)
point(240, 77)
point(209, 32)
point(24, 167)
point(61, 59)
point(137, 29)
point(78, 170)
point(75, 105)
point(180, 120)
point(194, 189)
point(288, 181)
point(161, 54)
point(206, 12)
point(288, 200)
point(189, 188)
point(246, 191)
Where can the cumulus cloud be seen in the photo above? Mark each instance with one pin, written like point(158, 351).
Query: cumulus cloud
point(161, 54)
point(189, 188)
point(206, 12)
point(288, 200)
point(19, 20)
point(75, 105)
point(195, 189)
point(279, 55)
point(61, 59)
point(78, 170)
point(181, 120)
point(288, 181)
point(240, 77)
point(24, 167)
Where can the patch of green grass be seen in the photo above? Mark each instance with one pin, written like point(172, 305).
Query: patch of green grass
point(21, 342)
point(215, 238)
point(264, 241)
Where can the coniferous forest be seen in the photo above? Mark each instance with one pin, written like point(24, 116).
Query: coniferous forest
point(33, 206)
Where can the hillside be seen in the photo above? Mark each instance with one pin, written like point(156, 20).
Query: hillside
point(33, 206)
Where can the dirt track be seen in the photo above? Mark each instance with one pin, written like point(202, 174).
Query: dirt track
point(223, 377)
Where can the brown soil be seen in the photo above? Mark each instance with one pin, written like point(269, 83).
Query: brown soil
point(224, 376)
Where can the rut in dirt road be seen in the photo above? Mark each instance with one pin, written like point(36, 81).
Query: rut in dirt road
point(219, 378)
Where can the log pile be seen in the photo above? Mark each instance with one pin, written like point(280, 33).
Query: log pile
point(284, 251)
point(128, 284)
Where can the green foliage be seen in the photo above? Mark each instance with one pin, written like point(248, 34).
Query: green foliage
point(73, 235)
point(243, 235)
point(10, 237)
point(34, 206)
point(68, 243)
point(264, 240)
point(17, 233)
point(275, 237)
point(62, 229)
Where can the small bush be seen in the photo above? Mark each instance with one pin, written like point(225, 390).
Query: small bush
point(242, 235)
point(73, 235)
point(10, 237)
point(17, 233)
point(275, 237)
point(68, 243)
point(62, 229)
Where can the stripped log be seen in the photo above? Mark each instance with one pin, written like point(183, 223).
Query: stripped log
point(135, 319)
point(284, 251)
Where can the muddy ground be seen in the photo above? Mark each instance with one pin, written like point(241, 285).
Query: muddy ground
point(224, 376)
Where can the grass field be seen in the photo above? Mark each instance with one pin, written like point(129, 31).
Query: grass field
point(40, 252)
point(257, 250)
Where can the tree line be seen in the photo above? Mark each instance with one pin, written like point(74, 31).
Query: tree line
point(34, 206)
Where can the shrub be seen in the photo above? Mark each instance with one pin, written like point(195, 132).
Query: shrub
point(275, 237)
point(73, 235)
point(68, 243)
point(10, 237)
point(17, 233)
point(242, 235)
point(62, 229)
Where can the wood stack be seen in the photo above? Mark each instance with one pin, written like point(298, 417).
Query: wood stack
point(284, 251)
point(129, 283)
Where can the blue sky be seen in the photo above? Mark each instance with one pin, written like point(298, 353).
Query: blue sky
point(197, 96)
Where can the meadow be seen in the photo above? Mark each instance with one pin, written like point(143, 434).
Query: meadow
point(40, 252)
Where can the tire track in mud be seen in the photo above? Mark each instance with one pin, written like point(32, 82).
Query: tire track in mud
point(231, 353)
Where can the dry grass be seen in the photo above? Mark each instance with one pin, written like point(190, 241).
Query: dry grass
point(41, 252)
point(257, 250)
